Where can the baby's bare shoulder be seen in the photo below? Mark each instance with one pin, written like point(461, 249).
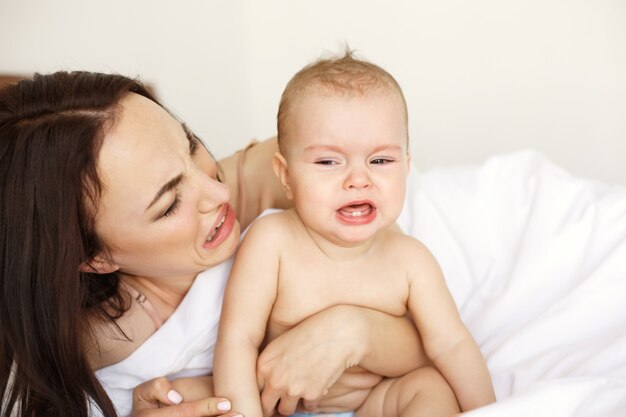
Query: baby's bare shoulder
point(406, 249)
point(272, 228)
point(282, 219)
point(403, 243)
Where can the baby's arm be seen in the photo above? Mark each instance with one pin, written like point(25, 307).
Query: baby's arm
point(248, 299)
point(446, 340)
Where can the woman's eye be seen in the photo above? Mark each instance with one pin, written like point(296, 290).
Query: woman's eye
point(173, 208)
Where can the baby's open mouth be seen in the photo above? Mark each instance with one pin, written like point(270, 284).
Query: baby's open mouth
point(356, 210)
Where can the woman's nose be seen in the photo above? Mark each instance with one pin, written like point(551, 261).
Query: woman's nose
point(357, 178)
point(213, 194)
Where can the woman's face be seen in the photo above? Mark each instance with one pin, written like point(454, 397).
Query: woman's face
point(162, 212)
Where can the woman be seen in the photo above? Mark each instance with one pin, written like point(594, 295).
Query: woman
point(110, 209)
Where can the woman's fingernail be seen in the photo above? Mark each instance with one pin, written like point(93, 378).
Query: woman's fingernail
point(223, 405)
point(174, 397)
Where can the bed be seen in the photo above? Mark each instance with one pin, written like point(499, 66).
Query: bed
point(536, 261)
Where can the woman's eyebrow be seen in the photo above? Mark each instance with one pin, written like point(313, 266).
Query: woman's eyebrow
point(190, 135)
point(166, 187)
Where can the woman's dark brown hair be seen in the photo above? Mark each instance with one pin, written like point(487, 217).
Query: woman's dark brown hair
point(51, 130)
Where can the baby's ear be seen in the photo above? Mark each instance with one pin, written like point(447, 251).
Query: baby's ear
point(98, 265)
point(279, 163)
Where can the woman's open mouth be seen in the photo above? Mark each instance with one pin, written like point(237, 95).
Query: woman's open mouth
point(357, 213)
point(214, 232)
point(222, 227)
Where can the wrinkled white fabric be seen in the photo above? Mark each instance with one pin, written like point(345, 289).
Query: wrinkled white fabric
point(536, 261)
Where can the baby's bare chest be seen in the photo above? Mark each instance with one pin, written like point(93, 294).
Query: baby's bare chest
point(308, 285)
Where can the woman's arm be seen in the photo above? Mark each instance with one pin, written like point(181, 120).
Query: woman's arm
point(309, 359)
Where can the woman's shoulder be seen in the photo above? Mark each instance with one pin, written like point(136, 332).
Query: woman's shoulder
point(258, 188)
point(108, 342)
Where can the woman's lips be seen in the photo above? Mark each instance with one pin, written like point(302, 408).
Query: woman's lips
point(357, 213)
point(222, 227)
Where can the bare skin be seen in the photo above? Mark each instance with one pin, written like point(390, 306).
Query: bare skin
point(345, 165)
point(159, 250)
point(263, 190)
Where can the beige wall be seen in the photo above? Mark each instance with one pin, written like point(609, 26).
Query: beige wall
point(481, 76)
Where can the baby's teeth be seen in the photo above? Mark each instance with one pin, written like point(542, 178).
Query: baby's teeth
point(356, 213)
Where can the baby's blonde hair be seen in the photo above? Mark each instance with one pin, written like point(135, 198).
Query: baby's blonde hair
point(343, 75)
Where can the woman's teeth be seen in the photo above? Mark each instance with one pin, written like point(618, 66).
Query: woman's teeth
point(214, 232)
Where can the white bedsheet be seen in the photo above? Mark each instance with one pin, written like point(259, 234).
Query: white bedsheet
point(536, 261)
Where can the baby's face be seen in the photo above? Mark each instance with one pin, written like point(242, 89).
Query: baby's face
point(347, 162)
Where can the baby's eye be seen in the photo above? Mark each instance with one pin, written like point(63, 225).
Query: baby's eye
point(326, 162)
point(381, 161)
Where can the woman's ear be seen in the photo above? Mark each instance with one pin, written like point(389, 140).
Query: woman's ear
point(98, 265)
point(279, 163)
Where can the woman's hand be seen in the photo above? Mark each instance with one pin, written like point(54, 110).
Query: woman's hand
point(194, 388)
point(306, 361)
point(158, 398)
